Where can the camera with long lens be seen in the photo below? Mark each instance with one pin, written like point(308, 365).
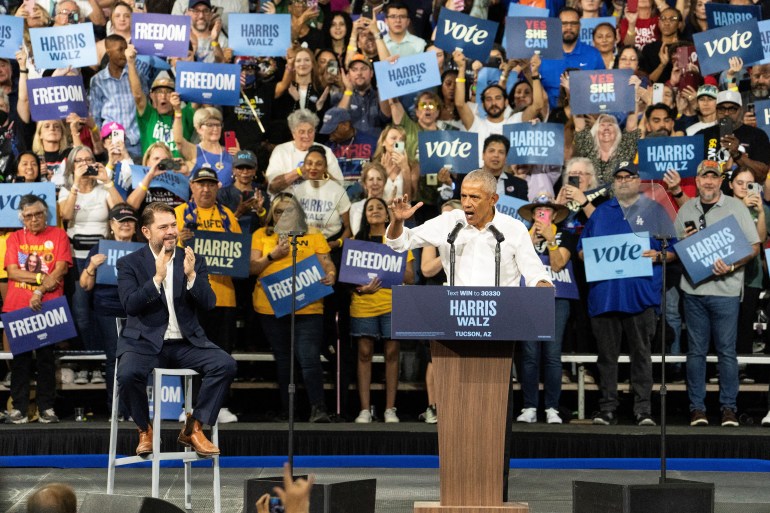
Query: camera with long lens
point(91, 171)
point(168, 164)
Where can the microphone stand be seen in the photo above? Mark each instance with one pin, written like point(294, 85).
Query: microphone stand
point(292, 386)
point(452, 263)
point(663, 390)
point(497, 264)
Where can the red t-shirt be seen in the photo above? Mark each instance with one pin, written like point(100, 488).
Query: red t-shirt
point(36, 253)
point(647, 31)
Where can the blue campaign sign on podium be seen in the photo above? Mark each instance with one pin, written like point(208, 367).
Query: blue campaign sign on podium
point(473, 313)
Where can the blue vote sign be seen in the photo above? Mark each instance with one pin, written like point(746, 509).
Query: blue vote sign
point(510, 206)
point(59, 47)
point(175, 183)
point(564, 280)
point(28, 330)
point(588, 25)
point(602, 91)
point(363, 261)
point(527, 36)
point(225, 253)
point(10, 195)
point(163, 35)
point(611, 257)
point(541, 144)
point(277, 286)
point(723, 239)
point(439, 148)
point(107, 273)
point(762, 113)
point(260, 35)
point(720, 15)
point(473, 35)
point(473, 313)
point(715, 46)
point(659, 154)
point(11, 35)
point(407, 75)
point(214, 84)
point(56, 97)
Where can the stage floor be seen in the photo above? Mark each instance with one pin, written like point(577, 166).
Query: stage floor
point(546, 491)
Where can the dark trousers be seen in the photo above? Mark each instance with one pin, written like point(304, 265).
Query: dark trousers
point(639, 330)
point(21, 374)
point(216, 367)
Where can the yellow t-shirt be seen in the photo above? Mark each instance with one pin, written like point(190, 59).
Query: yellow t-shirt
point(210, 220)
point(3, 237)
point(373, 305)
point(310, 244)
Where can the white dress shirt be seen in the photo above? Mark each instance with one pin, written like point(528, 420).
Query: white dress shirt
point(172, 331)
point(475, 250)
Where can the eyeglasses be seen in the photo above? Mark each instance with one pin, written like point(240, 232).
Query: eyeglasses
point(397, 17)
point(86, 160)
point(40, 214)
point(163, 92)
point(732, 109)
point(625, 178)
point(212, 125)
point(669, 19)
point(65, 12)
point(427, 105)
point(571, 23)
point(200, 11)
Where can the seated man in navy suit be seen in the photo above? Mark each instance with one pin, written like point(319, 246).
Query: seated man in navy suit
point(160, 287)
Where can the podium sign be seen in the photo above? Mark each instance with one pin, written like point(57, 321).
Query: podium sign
point(473, 313)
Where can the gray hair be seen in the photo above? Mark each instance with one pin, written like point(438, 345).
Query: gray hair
point(300, 116)
point(487, 180)
point(592, 183)
point(69, 168)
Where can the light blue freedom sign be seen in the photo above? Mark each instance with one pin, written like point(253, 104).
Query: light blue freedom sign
point(723, 239)
point(213, 84)
point(11, 35)
point(510, 206)
point(720, 15)
point(440, 148)
point(59, 47)
point(10, 195)
point(408, 75)
point(107, 273)
point(527, 36)
point(539, 144)
point(473, 35)
point(604, 91)
point(260, 35)
point(28, 330)
point(659, 154)
point(175, 183)
point(611, 257)
point(277, 286)
point(362, 261)
point(715, 47)
point(588, 25)
point(762, 112)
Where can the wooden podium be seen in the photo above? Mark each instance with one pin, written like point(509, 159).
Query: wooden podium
point(472, 367)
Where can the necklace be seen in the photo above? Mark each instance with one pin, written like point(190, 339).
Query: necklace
point(219, 164)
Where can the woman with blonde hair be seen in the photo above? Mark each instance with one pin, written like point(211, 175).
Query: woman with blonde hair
point(305, 88)
point(403, 174)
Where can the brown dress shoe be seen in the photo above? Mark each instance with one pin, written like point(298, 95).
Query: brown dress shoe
point(192, 436)
point(145, 442)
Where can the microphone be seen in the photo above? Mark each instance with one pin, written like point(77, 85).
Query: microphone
point(453, 234)
point(499, 237)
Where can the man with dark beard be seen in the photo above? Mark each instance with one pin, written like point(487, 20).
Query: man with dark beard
point(760, 90)
point(659, 121)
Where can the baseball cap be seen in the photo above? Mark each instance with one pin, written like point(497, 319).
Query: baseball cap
point(332, 119)
point(709, 166)
point(162, 80)
point(245, 158)
point(204, 174)
point(193, 3)
point(123, 212)
point(729, 97)
point(627, 166)
point(111, 127)
point(707, 90)
point(359, 57)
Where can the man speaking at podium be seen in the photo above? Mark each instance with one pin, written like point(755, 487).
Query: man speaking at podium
point(477, 228)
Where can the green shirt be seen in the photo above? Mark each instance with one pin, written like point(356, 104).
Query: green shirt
point(154, 127)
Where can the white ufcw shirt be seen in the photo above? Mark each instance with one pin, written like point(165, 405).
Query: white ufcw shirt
point(475, 250)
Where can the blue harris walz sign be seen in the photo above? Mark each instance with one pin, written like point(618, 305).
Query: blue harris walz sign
point(277, 286)
point(57, 97)
point(107, 273)
point(11, 35)
point(525, 36)
point(473, 35)
point(362, 261)
point(510, 206)
point(762, 112)
point(659, 154)
point(540, 144)
point(715, 47)
point(225, 253)
point(723, 239)
point(59, 47)
point(407, 75)
point(607, 91)
point(28, 330)
point(720, 15)
point(260, 35)
point(10, 196)
point(439, 148)
point(611, 257)
point(164, 35)
point(214, 84)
